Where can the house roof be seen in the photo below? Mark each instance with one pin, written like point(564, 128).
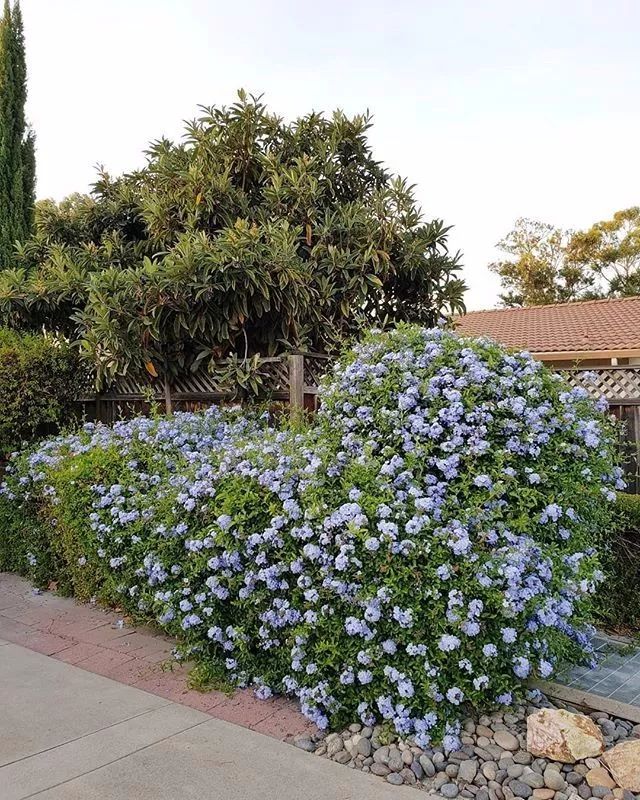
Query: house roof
point(581, 329)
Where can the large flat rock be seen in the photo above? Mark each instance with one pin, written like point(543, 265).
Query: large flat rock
point(562, 736)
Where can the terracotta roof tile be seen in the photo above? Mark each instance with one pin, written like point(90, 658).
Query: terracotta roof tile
point(569, 327)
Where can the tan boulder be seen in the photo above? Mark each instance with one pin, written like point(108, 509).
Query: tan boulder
point(562, 736)
point(623, 762)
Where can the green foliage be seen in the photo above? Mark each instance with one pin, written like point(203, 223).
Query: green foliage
point(628, 508)
point(251, 236)
point(24, 534)
point(610, 250)
point(549, 265)
point(40, 377)
point(537, 271)
point(618, 600)
point(426, 542)
point(17, 143)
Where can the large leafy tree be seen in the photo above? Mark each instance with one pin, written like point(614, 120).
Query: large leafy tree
point(17, 144)
point(252, 235)
point(546, 264)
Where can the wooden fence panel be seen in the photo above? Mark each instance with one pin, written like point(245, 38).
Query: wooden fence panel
point(290, 379)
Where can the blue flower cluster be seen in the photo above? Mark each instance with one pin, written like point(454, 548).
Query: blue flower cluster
point(428, 542)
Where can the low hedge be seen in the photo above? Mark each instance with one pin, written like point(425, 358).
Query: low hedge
point(40, 378)
point(618, 598)
point(427, 543)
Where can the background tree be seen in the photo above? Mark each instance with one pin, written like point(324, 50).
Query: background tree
point(538, 271)
point(550, 265)
point(251, 236)
point(17, 143)
point(610, 250)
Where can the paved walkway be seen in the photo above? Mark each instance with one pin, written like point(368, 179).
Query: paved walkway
point(68, 734)
point(65, 733)
point(617, 676)
point(91, 638)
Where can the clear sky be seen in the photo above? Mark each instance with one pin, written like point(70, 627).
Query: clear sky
point(495, 108)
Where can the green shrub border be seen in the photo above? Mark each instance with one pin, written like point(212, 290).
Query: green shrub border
point(40, 381)
point(618, 597)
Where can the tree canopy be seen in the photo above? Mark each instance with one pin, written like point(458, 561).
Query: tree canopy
point(610, 251)
point(17, 141)
point(537, 271)
point(547, 264)
point(251, 235)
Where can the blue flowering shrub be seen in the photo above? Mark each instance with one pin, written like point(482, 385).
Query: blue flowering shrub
point(427, 543)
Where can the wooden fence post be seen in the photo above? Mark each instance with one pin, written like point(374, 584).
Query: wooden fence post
point(167, 397)
point(296, 384)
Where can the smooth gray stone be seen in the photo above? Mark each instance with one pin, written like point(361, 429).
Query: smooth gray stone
point(427, 765)
point(520, 789)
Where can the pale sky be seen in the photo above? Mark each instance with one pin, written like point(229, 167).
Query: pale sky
point(495, 108)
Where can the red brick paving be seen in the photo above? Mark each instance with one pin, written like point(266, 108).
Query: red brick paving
point(78, 652)
point(46, 643)
point(86, 636)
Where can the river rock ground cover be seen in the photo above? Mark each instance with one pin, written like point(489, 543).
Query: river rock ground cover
point(426, 545)
point(492, 762)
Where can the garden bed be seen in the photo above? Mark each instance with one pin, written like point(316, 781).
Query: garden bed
point(493, 761)
point(428, 544)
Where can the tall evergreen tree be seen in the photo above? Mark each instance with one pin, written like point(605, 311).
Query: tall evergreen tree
point(17, 144)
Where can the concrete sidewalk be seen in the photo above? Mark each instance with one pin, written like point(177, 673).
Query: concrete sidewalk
point(68, 734)
point(95, 639)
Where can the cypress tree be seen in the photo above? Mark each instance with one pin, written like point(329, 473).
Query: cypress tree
point(17, 143)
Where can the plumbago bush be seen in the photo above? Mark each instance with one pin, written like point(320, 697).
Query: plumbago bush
point(428, 543)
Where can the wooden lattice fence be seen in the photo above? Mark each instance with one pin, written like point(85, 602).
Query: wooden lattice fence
point(288, 380)
point(621, 387)
point(617, 384)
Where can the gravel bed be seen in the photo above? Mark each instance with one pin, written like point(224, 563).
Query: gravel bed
point(492, 764)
